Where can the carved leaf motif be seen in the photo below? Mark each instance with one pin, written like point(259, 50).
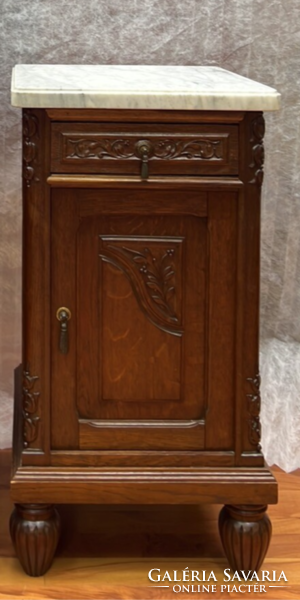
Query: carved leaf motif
point(30, 149)
point(30, 124)
point(196, 149)
point(149, 262)
point(28, 174)
point(157, 276)
point(254, 411)
point(255, 432)
point(258, 155)
point(30, 401)
point(258, 127)
point(103, 148)
point(30, 429)
point(30, 408)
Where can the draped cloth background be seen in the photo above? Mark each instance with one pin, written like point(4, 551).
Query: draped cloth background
point(255, 38)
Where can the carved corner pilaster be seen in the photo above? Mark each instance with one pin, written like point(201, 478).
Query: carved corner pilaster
point(30, 408)
point(253, 409)
point(30, 147)
point(257, 151)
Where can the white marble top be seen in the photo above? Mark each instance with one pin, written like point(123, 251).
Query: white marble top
point(138, 86)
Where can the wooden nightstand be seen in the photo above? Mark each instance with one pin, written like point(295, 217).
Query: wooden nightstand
point(141, 300)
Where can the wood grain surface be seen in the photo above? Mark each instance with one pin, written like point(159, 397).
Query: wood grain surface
point(107, 552)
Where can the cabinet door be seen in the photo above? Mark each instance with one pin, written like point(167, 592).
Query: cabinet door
point(149, 274)
point(130, 265)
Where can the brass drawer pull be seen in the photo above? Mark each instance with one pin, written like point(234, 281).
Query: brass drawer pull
point(144, 150)
point(63, 315)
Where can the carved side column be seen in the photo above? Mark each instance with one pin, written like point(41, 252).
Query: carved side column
point(36, 288)
point(245, 533)
point(248, 430)
point(35, 530)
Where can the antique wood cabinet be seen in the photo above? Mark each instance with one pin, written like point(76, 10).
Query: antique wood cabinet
point(140, 299)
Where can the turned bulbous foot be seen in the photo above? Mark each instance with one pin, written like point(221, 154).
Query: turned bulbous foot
point(245, 533)
point(34, 530)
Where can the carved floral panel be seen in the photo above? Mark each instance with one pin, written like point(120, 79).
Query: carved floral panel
point(97, 147)
point(153, 268)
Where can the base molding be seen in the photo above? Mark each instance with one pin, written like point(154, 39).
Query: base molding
point(144, 486)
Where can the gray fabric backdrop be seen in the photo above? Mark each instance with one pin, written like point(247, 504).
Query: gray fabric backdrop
point(256, 38)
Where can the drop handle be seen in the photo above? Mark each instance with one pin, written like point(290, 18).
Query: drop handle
point(63, 315)
point(143, 151)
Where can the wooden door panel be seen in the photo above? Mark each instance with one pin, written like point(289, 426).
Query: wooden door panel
point(140, 362)
point(139, 371)
point(142, 276)
point(139, 306)
point(138, 337)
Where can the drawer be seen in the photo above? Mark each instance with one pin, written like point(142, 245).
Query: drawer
point(116, 148)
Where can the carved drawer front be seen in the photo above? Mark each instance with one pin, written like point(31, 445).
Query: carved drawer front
point(144, 149)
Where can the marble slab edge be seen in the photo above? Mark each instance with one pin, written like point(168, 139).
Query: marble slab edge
point(23, 99)
point(138, 87)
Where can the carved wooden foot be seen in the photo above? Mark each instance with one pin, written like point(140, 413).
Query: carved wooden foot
point(34, 530)
point(245, 533)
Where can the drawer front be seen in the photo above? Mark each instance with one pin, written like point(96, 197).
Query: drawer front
point(109, 148)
